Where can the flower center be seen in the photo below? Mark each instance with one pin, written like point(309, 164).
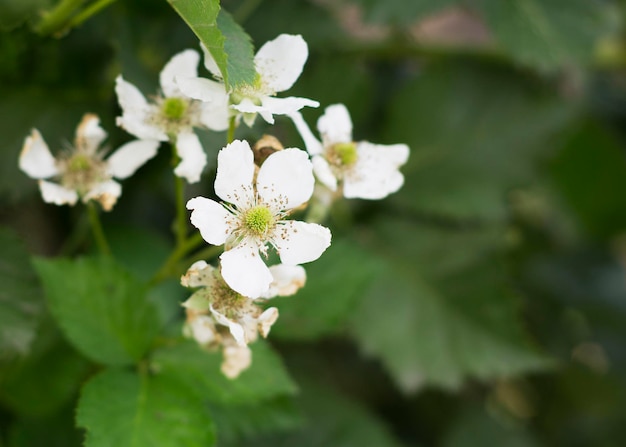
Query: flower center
point(344, 154)
point(81, 172)
point(174, 109)
point(258, 220)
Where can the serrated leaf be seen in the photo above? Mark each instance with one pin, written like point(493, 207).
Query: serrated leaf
point(333, 286)
point(438, 321)
point(21, 301)
point(229, 45)
point(474, 134)
point(547, 34)
point(265, 379)
point(101, 308)
point(119, 408)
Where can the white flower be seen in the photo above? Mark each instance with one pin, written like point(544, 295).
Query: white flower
point(364, 170)
point(172, 116)
point(278, 64)
point(83, 172)
point(236, 359)
point(254, 215)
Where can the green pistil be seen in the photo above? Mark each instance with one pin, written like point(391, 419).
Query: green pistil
point(79, 163)
point(346, 153)
point(258, 219)
point(174, 109)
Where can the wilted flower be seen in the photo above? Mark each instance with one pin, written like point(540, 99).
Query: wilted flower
point(217, 315)
point(255, 215)
point(83, 172)
point(364, 170)
point(278, 65)
point(172, 116)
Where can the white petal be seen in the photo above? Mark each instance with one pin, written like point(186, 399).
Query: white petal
point(135, 112)
point(184, 65)
point(235, 170)
point(288, 279)
point(280, 61)
point(198, 274)
point(203, 330)
point(57, 194)
point(89, 134)
point(286, 176)
point(211, 218)
point(324, 174)
point(244, 271)
point(335, 125)
point(376, 174)
point(300, 242)
point(250, 109)
point(266, 320)
point(192, 157)
point(313, 145)
point(202, 89)
point(236, 360)
point(286, 106)
point(36, 159)
point(106, 193)
point(215, 116)
point(236, 330)
point(210, 63)
point(131, 156)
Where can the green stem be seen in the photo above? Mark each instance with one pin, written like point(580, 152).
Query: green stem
point(96, 227)
point(169, 267)
point(230, 136)
point(57, 19)
point(179, 226)
point(207, 253)
point(86, 13)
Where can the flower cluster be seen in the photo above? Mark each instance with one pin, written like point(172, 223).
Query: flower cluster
point(259, 190)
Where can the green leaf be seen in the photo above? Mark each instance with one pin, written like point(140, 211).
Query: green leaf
point(55, 430)
point(333, 286)
point(27, 391)
point(265, 379)
point(547, 34)
point(119, 408)
point(442, 311)
point(229, 45)
point(474, 134)
point(594, 154)
point(102, 309)
point(20, 297)
point(331, 420)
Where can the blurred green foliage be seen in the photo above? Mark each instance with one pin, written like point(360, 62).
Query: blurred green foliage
point(483, 304)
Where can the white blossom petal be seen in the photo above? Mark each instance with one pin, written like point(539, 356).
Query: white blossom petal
point(286, 176)
point(313, 145)
point(192, 157)
point(266, 320)
point(106, 193)
point(209, 62)
point(235, 170)
point(335, 125)
point(131, 156)
point(211, 218)
point(324, 174)
point(136, 111)
point(300, 242)
point(89, 134)
point(203, 330)
point(236, 360)
point(236, 330)
point(216, 115)
point(184, 65)
point(244, 270)
point(57, 194)
point(376, 174)
point(36, 159)
point(202, 89)
point(287, 280)
point(198, 274)
point(279, 62)
point(286, 106)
